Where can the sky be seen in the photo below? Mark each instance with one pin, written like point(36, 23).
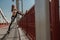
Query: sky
point(5, 5)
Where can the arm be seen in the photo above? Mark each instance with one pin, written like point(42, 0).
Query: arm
point(18, 12)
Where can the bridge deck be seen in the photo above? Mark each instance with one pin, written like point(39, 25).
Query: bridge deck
point(3, 30)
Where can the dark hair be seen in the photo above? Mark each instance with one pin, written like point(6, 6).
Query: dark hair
point(12, 8)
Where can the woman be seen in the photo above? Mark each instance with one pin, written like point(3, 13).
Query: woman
point(14, 12)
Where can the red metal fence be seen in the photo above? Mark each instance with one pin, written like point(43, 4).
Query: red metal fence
point(54, 20)
point(27, 22)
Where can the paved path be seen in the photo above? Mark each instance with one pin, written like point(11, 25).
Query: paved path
point(15, 34)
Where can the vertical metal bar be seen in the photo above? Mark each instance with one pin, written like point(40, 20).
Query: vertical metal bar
point(17, 4)
point(55, 20)
point(22, 6)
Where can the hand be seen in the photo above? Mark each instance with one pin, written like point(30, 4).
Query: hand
point(19, 12)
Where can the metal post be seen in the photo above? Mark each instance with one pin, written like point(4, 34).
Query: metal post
point(42, 20)
point(17, 4)
point(22, 6)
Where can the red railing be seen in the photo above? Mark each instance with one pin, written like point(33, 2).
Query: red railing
point(27, 23)
point(54, 20)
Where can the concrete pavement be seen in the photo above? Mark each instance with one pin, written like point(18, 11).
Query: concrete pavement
point(15, 34)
